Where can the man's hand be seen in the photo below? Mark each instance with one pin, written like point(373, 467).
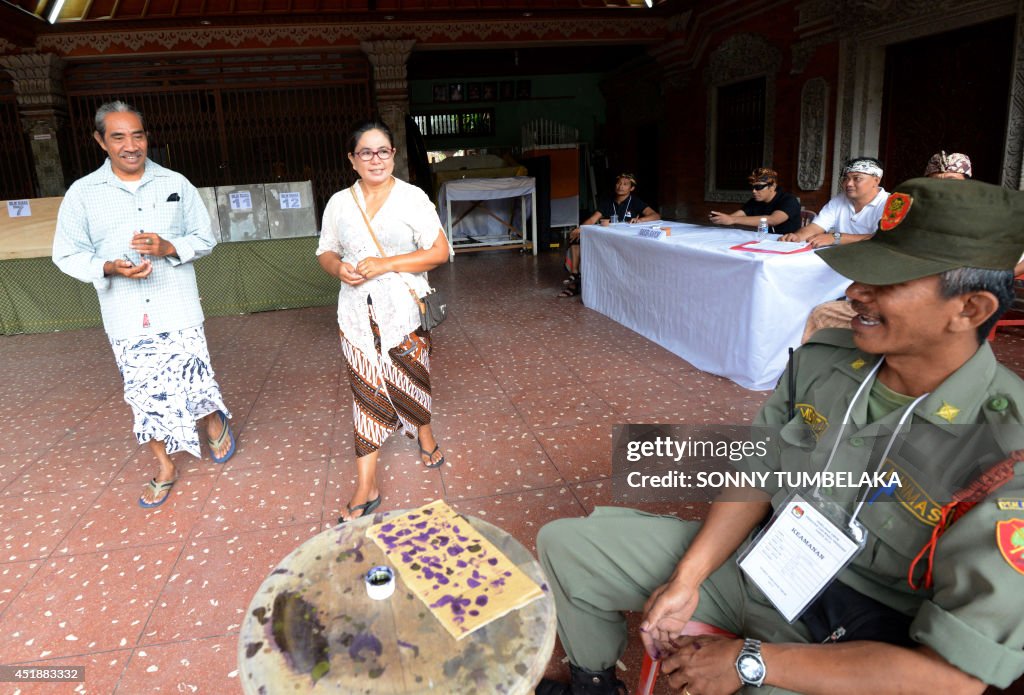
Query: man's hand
point(720, 218)
point(127, 269)
point(150, 244)
point(820, 241)
point(793, 236)
point(348, 274)
point(574, 234)
point(704, 665)
point(666, 612)
point(372, 267)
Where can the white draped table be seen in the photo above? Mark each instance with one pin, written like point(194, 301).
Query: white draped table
point(731, 313)
point(471, 221)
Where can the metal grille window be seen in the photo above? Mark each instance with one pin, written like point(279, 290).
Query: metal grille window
point(233, 120)
point(739, 132)
point(443, 124)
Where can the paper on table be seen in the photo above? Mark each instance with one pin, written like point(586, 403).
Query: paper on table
point(464, 580)
point(772, 246)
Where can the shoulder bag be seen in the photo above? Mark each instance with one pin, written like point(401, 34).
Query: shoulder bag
point(433, 306)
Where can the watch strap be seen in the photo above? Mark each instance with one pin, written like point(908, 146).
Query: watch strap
point(752, 648)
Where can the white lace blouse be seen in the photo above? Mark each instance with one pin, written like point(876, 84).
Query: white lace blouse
point(407, 221)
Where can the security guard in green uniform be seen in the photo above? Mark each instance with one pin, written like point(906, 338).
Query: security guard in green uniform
point(933, 600)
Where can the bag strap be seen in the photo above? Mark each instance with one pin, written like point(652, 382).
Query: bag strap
point(373, 236)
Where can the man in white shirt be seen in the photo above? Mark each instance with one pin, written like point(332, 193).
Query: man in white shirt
point(852, 215)
point(133, 229)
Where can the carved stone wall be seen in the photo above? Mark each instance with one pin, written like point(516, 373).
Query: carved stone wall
point(867, 26)
point(165, 39)
point(740, 57)
point(390, 58)
point(810, 173)
point(39, 86)
point(1013, 149)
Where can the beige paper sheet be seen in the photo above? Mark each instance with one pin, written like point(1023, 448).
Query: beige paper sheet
point(464, 580)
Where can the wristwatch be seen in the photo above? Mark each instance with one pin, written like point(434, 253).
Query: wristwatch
point(750, 665)
point(837, 236)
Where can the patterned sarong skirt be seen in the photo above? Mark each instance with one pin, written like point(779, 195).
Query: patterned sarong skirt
point(169, 384)
point(389, 391)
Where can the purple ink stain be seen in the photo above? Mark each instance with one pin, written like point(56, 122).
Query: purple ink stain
point(387, 527)
point(492, 561)
point(413, 647)
point(422, 524)
point(455, 550)
point(461, 564)
point(455, 602)
point(362, 642)
point(481, 600)
point(472, 583)
point(474, 613)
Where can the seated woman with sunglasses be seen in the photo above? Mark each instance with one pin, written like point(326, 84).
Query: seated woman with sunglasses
point(782, 209)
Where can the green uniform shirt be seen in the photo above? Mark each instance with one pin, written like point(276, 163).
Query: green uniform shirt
point(972, 615)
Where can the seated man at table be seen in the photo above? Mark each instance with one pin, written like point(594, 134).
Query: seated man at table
point(933, 604)
point(852, 215)
point(948, 166)
point(781, 208)
point(622, 207)
point(838, 314)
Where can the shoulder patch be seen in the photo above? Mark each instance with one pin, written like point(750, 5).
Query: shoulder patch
point(1010, 539)
point(896, 208)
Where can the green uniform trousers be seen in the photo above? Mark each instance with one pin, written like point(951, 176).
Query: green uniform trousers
point(614, 559)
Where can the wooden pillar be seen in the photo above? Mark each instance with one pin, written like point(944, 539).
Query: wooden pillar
point(390, 78)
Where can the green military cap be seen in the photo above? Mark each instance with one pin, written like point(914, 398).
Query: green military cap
point(930, 226)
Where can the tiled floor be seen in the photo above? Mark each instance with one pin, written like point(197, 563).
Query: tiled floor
point(527, 388)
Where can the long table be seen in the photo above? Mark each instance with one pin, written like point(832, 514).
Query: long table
point(728, 312)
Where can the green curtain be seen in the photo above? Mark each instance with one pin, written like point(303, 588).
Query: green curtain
point(237, 278)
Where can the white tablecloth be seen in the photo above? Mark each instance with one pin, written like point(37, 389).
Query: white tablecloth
point(463, 194)
point(731, 313)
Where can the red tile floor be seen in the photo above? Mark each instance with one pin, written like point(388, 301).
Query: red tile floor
point(527, 388)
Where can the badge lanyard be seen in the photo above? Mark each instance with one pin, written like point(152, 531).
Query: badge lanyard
point(810, 539)
point(615, 207)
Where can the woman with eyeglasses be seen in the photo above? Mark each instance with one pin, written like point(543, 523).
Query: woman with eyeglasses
point(380, 237)
point(782, 209)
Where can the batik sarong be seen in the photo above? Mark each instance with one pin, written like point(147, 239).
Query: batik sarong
point(389, 391)
point(169, 384)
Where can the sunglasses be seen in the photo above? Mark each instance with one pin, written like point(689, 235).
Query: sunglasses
point(760, 186)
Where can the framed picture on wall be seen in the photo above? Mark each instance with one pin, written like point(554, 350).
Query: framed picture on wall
point(456, 91)
point(473, 91)
point(488, 91)
point(523, 89)
point(440, 93)
point(508, 90)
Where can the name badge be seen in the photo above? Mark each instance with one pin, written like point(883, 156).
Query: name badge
point(650, 232)
point(800, 552)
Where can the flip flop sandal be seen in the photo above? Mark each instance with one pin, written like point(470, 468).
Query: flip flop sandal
point(430, 462)
point(365, 507)
point(569, 291)
point(219, 441)
point(157, 488)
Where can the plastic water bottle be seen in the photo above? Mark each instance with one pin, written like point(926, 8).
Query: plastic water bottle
point(614, 219)
point(762, 229)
